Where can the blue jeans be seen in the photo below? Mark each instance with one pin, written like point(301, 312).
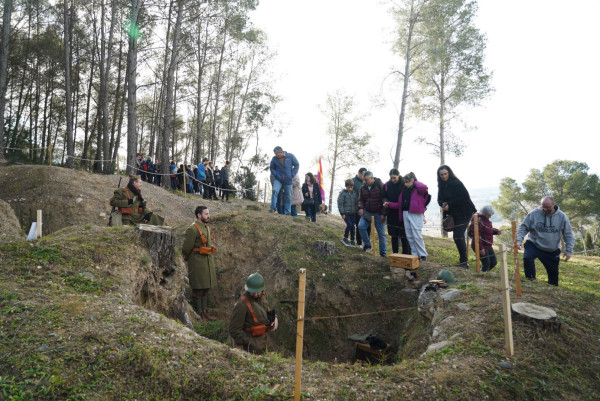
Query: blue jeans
point(550, 261)
point(287, 196)
point(350, 223)
point(311, 212)
point(365, 222)
point(294, 210)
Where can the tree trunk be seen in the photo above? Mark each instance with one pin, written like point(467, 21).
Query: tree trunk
point(136, 5)
point(104, 78)
point(69, 111)
point(4, 48)
point(536, 315)
point(170, 89)
point(442, 144)
point(213, 136)
point(407, 59)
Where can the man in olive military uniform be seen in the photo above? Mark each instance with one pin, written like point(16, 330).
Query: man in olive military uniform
point(252, 317)
point(198, 249)
point(132, 205)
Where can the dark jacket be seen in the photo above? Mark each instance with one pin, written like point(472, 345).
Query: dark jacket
point(316, 194)
point(391, 192)
point(371, 199)
point(486, 232)
point(224, 175)
point(454, 193)
point(217, 175)
point(347, 202)
point(358, 183)
point(284, 173)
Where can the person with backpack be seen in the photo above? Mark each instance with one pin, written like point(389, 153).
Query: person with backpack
point(412, 202)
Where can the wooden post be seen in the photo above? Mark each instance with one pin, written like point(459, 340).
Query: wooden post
point(38, 224)
point(506, 309)
point(373, 234)
point(184, 181)
point(118, 165)
point(257, 191)
point(476, 242)
point(265, 197)
point(299, 335)
point(516, 256)
point(50, 155)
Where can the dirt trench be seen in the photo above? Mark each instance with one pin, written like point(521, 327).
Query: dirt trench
point(332, 291)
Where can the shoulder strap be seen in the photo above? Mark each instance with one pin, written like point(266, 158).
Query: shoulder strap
point(202, 236)
point(127, 192)
point(249, 305)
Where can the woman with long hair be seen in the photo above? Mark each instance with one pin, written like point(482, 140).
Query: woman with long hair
point(312, 197)
point(455, 201)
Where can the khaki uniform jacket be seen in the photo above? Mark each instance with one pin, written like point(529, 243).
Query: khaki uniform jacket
point(120, 200)
point(242, 318)
point(201, 268)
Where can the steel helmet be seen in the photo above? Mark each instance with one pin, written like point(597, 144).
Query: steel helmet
point(255, 283)
point(447, 276)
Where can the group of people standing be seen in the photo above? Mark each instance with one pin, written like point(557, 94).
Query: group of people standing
point(400, 204)
point(205, 179)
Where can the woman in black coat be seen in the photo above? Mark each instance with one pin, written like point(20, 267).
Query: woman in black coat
point(455, 201)
point(312, 197)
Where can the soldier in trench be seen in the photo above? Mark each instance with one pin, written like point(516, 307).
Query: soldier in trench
point(132, 205)
point(252, 317)
point(197, 250)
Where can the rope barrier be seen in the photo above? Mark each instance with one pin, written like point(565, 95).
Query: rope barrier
point(358, 314)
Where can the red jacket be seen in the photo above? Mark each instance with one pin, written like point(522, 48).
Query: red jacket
point(486, 232)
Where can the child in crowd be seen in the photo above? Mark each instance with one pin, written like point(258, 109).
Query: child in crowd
point(348, 207)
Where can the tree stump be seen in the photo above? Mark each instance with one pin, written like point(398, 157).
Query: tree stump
point(161, 244)
point(325, 248)
point(539, 316)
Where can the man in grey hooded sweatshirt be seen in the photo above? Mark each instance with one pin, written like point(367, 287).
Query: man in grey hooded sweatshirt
point(545, 226)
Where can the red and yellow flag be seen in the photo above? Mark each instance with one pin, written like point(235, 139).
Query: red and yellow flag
point(320, 181)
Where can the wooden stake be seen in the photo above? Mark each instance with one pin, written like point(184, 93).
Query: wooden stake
point(476, 242)
point(257, 191)
point(506, 309)
point(184, 181)
point(299, 335)
point(265, 197)
point(516, 255)
point(39, 224)
point(373, 245)
point(50, 155)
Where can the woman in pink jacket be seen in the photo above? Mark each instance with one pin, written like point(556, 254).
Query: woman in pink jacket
point(412, 203)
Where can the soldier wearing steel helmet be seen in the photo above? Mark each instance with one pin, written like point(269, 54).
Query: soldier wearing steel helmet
point(252, 318)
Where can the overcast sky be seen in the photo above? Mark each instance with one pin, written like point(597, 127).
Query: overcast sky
point(543, 54)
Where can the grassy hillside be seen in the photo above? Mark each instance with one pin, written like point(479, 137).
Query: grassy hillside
point(77, 322)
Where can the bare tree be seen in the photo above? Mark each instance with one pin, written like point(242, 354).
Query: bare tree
point(68, 99)
point(133, 35)
point(346, 145)
point(4, 69)
point(166, 134)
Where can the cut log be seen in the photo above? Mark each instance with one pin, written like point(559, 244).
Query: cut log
point(536, 315)
point(325, 248)
point(161, 244)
